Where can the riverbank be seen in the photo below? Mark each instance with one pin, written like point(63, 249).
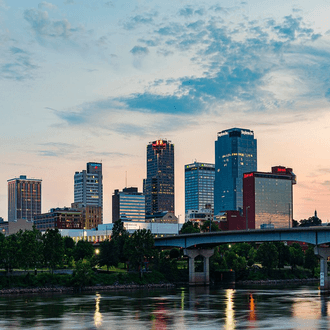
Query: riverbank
point(278, 282)
point(62, 289)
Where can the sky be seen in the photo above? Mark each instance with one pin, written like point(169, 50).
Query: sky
point(97, 80)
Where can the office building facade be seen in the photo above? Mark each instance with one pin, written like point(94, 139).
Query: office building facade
point(199, 186)
point(235, 154)
point(268, 198)
point(158, 187)
point(24, 198)
point(91, 215)
point(60, 218)
point(88, 187)
point(128, 205)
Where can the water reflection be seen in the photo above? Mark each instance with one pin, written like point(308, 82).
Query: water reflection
point(182, 308)
point(97, 314)
point(230, 314)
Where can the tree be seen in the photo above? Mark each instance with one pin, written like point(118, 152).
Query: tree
point(283, 254)
point(205, 228)
point(311, 221)
point(10, 257)
point(69, 245)
point(296, 255)
point(190, 227)
point(268, 256)
point(311, 261)
point(119, 237)
point(83, 250)
point(108, 254)
point(235, 262)
point(139, 248)
point(83, 273)
point(30, 248)
point(53, 248)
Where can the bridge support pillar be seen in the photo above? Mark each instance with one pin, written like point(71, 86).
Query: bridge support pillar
point(199, 278)
point(323, 253)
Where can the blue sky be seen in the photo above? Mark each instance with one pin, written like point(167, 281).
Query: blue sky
point(97, 80)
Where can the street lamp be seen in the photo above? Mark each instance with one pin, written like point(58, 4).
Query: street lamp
point(247, 217)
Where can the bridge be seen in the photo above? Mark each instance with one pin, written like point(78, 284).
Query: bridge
point(202, 244)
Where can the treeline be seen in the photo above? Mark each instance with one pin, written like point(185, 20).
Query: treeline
point(30, 249)
point(274, 258)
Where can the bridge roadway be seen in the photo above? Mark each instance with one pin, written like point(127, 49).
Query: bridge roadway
point(312, 235)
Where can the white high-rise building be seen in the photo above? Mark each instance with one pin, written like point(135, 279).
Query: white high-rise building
point(88, 188)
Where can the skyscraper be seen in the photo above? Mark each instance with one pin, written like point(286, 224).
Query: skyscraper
point(199, 186)
point(158, 187)
point(128, 205)
point(88, 187)
point(24, 198)
point(268, 198)
point(235, 154)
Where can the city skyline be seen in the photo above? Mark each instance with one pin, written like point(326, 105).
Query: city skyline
point(90, 81)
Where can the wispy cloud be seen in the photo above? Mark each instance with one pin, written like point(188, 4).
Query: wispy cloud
point(140, 20)
point(17, 64)
point(46, 5)
point(139, 50)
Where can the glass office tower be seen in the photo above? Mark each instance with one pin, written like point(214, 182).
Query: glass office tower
point(24, 198)
point(128, 205)
point(158, 187)
point(199, 186)
point(268, 198)
point(235, 154)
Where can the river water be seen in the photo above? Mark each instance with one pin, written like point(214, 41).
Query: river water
point(181, 308)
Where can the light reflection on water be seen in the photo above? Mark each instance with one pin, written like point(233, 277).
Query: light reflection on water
point(180, 308)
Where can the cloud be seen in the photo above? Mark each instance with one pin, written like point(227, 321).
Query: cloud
point(17, 64)
point(44, 27)
point(69, 2)
point(326, 183)
point(46, 5)
point(3, 4)
point(140, 20)
point(139, 50)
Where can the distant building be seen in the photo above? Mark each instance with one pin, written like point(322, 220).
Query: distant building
point(199, 185)
point(91, 215)
point(201, 215)
point(158, 187)
point(231, 220)
point(162, 217)
point(61, 218)
point(88, 187)
point(24, 198)
point(128, 205)
point(268, 198)
point(235, 154)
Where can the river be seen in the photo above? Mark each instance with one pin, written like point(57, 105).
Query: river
point(300, 307)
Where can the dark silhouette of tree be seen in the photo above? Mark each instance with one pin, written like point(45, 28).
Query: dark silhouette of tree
point(311, 221)
point(296, 255)
point(108, 254)
point(268, 256)
point(83, 250)
point(119, 237)
point(205, 228)
point(190, 227)
point(311, 260)
point(53, 248)
point(283, 254)
point(139, 248)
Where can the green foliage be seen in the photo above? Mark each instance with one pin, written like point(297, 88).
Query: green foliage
point(235, 262)
point(311, 261)
point(30, 249)
point(296, 255)
point(108, 254)
point(283, 254)
point(139, 248)
point(83, 273)
point(9, 256)
point(53, 248)
point(268, 256)
point(175, 253)
point(83, 250)
point(205, 228)
point(119, 237)
point(190, 227)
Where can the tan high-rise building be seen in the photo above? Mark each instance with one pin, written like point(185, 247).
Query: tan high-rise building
point(24, 198)
point(91, 215)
